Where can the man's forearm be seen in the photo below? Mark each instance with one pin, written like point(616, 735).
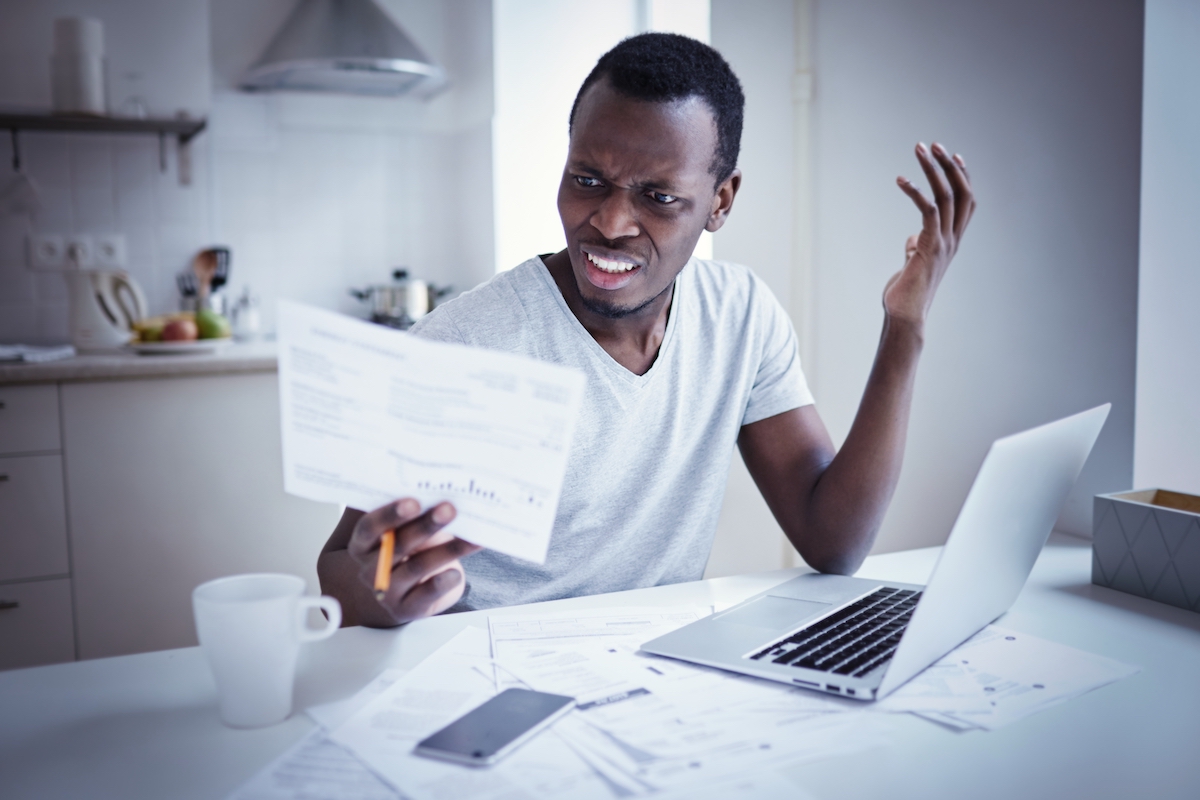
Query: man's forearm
point(851, 496)
point(339, 575)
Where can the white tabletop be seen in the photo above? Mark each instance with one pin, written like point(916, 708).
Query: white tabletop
point(145, 726)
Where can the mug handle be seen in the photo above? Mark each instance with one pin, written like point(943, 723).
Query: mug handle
point(330, 606)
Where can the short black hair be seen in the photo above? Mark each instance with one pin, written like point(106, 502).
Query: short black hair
point(663, 67)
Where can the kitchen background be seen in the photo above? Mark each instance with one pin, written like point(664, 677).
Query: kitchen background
point(1070, 290)
point(314, 194)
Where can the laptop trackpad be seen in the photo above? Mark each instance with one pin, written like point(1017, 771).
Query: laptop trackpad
point(773, 613)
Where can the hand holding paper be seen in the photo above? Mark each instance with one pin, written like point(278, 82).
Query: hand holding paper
point(371, 415)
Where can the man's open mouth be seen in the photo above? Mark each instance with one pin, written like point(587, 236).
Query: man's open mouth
point(612, 267)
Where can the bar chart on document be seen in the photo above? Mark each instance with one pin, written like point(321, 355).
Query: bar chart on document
point(371, 415)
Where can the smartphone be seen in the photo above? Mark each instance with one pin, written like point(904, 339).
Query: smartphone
point(493, 730)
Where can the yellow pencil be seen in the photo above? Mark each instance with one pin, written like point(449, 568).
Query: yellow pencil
point(383, 570)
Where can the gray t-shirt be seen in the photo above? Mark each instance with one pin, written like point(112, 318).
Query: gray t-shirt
point(648, 465)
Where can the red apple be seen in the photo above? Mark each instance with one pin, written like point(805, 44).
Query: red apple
point(180, 330)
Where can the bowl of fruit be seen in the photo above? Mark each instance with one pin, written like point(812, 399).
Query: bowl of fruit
point(202, 331)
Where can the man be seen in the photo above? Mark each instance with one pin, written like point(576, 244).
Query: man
point(684, 358)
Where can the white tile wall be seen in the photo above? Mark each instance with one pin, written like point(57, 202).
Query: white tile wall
point(311, 210)
point(99, 184)
point(314, 194)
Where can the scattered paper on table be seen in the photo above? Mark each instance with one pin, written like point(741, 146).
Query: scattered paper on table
point(1020, 675)
point(435, 692)
point(371, 415)
point(331, 715)
point(645, 725)
point(316, 768)
point(650, 724)
point(517, 638)
point(944, 686)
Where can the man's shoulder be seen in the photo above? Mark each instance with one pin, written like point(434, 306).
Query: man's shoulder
point(494, 309)
point(726, 287)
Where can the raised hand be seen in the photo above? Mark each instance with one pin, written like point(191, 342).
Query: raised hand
point(426, 575)
point(909, 293)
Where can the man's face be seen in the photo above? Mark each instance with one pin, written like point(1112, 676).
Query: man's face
point(635, 195)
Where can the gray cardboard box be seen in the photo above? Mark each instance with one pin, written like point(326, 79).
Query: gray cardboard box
point(1148, 543)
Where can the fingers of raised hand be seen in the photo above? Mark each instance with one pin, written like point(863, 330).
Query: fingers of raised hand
point(960, 184)
point(928, 210)
point(372, 525)
point(962, 225)
point(942, 194)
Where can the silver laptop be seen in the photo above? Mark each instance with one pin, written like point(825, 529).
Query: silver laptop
point(864, 639)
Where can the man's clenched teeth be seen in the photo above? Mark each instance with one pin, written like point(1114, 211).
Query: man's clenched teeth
point(611, 266)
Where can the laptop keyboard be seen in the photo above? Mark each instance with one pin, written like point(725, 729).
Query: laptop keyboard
point(851, 641)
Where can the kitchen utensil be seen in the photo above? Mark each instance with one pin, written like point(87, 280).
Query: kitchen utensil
point(221, 275)
point(104, 306)
point(401, 303)
point(205, 267)
point(20, 194)
point(209, 268)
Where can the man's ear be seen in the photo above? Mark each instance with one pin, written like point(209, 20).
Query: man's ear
point(722, 202)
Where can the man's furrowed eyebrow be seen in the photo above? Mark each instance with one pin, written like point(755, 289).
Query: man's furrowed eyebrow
point(662, 185)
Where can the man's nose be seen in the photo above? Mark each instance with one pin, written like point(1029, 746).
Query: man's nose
point(616, 217)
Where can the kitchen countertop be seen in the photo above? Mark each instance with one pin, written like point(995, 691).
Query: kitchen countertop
point(126, 365)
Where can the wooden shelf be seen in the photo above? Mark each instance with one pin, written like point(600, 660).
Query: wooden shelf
point(183, 130)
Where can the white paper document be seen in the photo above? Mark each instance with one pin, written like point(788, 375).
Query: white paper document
point(1018, 675)
point(440, 689)
point(651, 724)
point(371, 415)
point(316, 769)
point(332, 715)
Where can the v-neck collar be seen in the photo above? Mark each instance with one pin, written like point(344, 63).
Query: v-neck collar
point(610, 363)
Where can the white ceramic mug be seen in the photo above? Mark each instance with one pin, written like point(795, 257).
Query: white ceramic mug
point(250, 629)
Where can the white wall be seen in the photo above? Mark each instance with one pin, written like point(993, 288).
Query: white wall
point(319, 193)
point(315, 194)
point(543, 51)
point(758, 42)
point(1167, 446)
point(1037, 316)
point(96, 184)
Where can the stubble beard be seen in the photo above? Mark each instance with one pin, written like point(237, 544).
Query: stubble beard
point(613, 311)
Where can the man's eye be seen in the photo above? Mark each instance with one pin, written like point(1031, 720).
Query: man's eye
point(665, 199)
point(587, 182)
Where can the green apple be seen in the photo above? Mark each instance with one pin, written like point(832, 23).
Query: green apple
point(212, 325)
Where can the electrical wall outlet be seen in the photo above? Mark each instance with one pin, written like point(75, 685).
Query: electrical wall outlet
point(56, 251)
point(48, 251)
point(81, 252)
point(109, 252)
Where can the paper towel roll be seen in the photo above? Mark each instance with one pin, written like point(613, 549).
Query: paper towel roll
point(77, 66)
point(78, 36)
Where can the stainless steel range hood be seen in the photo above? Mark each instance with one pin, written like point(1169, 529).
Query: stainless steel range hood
point(344, 46)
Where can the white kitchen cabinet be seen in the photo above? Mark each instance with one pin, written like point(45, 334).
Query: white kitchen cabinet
point(33, 522)
point(173, 482)
point(29, 419)
point(124, 483)
point(35, 623)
